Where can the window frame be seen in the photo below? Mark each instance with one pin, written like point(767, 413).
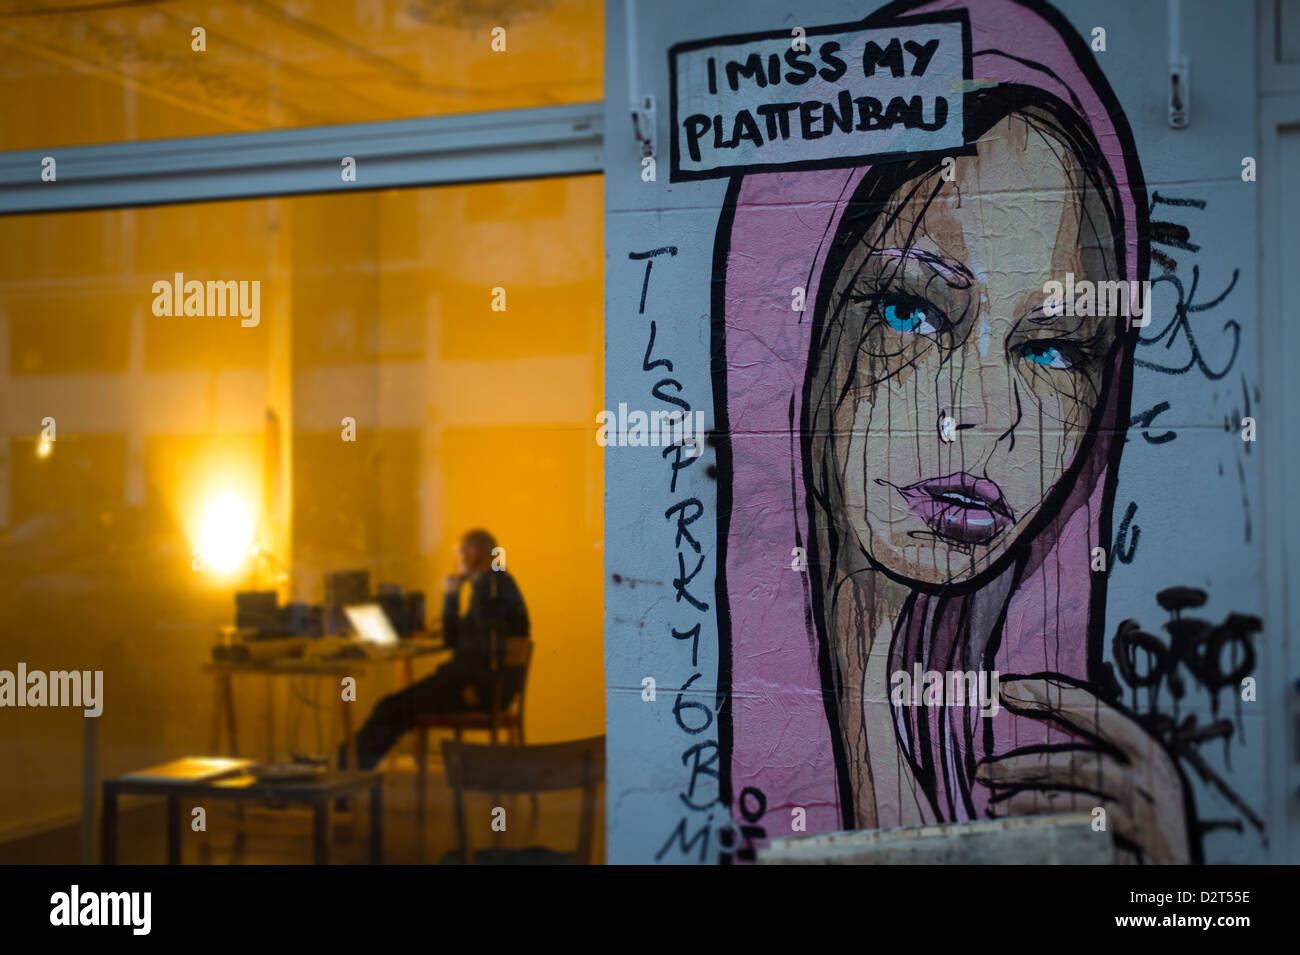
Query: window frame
point(536, 142)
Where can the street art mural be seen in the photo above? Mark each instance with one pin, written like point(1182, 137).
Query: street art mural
point(936, 221)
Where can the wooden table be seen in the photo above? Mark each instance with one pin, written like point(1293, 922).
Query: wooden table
point(402, 655)
point(318, 793)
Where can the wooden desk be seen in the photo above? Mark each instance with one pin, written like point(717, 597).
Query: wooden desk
point(317, 793)
point(401, 655)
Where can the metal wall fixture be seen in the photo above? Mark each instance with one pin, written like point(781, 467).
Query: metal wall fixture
point(442, 150)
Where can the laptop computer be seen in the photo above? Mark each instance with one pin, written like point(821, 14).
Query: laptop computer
point(192, 769)
point(372, 624)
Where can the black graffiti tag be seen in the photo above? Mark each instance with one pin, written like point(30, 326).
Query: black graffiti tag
point(692, 717)
point(1179, 323)
point(1146, 662)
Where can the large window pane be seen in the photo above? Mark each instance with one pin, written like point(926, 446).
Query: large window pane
point(373, 407)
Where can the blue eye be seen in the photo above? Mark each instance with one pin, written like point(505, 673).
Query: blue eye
point(908, 318)
point(1049, 356)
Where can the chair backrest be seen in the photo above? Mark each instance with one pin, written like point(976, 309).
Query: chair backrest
point(518, 652)
point(512, 679)
point(548, 767)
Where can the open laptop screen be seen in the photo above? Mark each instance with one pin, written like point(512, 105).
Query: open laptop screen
point(371, 623)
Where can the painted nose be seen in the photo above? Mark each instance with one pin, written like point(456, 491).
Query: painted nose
point(985, 396)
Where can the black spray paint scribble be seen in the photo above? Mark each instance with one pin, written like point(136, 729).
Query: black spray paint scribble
point(1179, 327)
point(1236, 421)
point(1146, 662)
point(1178, 330)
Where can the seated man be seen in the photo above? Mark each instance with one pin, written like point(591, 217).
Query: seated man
point(496, 611)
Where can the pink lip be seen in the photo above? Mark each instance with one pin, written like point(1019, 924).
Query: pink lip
point(960, 507)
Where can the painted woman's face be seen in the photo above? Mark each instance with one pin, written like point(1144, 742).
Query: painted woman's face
point(965, 399)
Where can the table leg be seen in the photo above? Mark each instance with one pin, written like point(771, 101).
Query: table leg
point(405, 676)
point(270, 719)
point(89, 772)
point(218, 713)
point(108, 829)
point(231, 729)
point(349, 737)
point(214, 744)
point(320, 832)
point(173, 830)
point(377, 824)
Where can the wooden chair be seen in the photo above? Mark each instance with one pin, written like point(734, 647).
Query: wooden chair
point(499, 715)
point(550, 767)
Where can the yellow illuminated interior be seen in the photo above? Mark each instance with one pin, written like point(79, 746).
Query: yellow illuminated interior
point(194, 437)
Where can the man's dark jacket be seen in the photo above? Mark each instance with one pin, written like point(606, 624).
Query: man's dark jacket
point(496, 611)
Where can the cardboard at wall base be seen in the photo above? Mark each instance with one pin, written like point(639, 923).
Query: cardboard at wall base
point(1061, 839)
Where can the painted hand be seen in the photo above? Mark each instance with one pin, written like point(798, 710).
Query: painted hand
point(1116, 765)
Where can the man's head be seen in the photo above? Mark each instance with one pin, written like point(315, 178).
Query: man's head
point(474, 553)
